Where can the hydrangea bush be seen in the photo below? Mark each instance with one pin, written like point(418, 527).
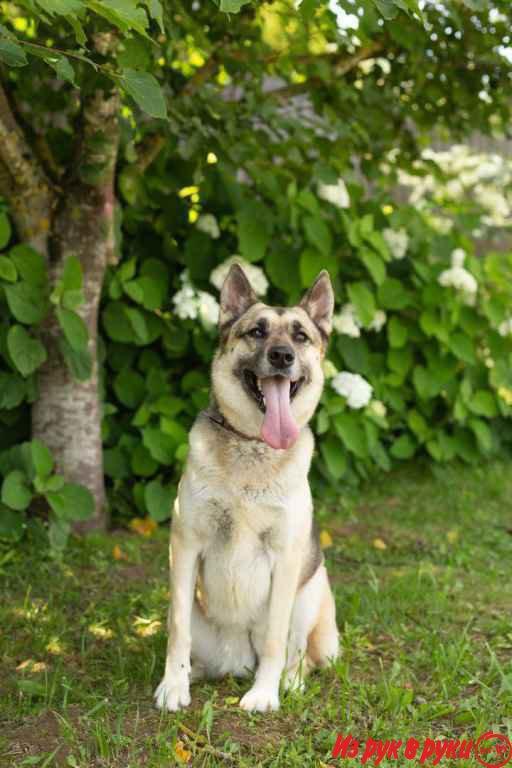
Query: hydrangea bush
point(420, 360)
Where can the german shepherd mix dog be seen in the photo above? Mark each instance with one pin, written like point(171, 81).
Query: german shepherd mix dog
point(249, 587)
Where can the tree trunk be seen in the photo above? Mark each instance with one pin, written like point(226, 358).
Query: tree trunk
point(67, 413)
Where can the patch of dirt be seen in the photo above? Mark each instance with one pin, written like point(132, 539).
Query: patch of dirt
point(39, 735)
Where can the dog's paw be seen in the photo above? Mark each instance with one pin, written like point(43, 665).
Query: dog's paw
point(260, 699)
point(173, 694)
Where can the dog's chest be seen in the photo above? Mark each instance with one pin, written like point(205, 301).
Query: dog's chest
point(238, 555)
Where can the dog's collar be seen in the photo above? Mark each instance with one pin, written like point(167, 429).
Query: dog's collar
point(221, 421)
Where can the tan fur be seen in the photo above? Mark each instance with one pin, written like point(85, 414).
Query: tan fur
point(249, 591)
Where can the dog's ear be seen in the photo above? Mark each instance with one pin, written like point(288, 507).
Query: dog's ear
point(319, 303)
point(236, 295)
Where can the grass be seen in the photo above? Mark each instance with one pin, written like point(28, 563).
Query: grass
point(421, 565)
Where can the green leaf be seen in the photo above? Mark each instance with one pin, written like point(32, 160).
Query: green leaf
point(312, 262)
point(363, 300)
point(334, 457)
point(130, 388)
point(74, 328)
point(15, 492)
point(483, 404)
point(254, 230)
point(157, 13)
point(124, 14)
point(12, 54)
point(26, 352)
point(142, 463)
point(159, 499)
point(374, 264)
point(62, 67)
point(318, 234)
point(28, 303)
point(62, 7)
point(72, 274)
point(146, 291)
point(11, 524)
point(162, 447)
point(145, 91)
point(350, 429)
point(403, 448)
point(72, 502)
point(232, 6)
point(5, 230)
point(30, 265)
point(392, 295)
point(7, 270)
point(462, 347)
point(397, 332)
point(79, 362)
point(41, 458)
point(482, 433)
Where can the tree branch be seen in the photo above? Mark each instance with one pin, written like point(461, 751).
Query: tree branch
point(24, 181)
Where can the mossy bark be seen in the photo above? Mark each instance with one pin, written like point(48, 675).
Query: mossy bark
point(78, 221)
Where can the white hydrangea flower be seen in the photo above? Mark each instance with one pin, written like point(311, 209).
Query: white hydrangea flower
point(354, 388)
point(459, 278)
point(346, 321)
point(379, 321)
point(208, 308)
point(190, 304)
point(505, 328)
point(378, 408)
point(185, 303)
point(337, 194)
point(255, 275)
point(207, 223)
point(397, 241)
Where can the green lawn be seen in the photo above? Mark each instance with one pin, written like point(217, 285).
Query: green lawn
point(421, 566)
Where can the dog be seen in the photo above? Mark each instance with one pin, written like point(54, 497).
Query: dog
point(249, 588)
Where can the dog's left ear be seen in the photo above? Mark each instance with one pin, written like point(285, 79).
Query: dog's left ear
point(319, 303)
point(236, 295)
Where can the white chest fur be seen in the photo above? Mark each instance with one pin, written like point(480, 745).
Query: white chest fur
point(244, 505)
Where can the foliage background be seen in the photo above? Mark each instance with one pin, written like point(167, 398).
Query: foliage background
point(246, 118)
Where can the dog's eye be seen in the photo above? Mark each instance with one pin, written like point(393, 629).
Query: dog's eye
point(301, 337)
point(257, 333)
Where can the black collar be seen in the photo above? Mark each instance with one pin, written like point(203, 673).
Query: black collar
point(217, 418)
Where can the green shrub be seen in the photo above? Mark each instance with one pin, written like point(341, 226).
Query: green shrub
point(438, 358)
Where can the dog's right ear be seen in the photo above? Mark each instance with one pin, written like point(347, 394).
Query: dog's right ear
point(236, 296)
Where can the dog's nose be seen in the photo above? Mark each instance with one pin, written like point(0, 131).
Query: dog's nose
point(281, 356)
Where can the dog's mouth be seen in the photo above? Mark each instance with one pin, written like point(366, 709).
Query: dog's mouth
point(255, 387)
point(273, 396)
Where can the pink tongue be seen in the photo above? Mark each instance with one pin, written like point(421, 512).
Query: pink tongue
point(279, 429)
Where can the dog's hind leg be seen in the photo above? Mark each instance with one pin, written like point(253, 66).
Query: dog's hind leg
point(323, 641)
point(313, 638)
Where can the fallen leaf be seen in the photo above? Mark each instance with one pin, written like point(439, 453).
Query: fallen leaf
point(143, 526)
point(452, 536)
point(118, 554)
point(183, 755)
point(379, 544)
point(325, 539)
point(231, 700)
point(29, 665)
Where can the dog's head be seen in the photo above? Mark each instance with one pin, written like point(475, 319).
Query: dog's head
point(267, 373)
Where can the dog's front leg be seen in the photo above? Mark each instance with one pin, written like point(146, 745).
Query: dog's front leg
point(264, 694)
point(173, 691)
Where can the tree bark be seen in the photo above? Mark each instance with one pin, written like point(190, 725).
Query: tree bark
point(67, 414)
